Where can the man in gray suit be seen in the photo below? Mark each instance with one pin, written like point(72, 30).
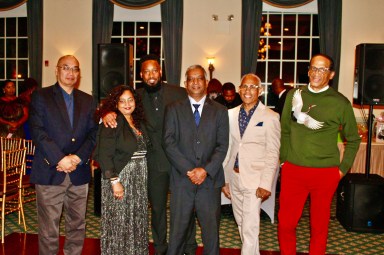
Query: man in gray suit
point(156, 95)
point(195, 140)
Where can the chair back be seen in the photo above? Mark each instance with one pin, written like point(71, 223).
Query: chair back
point(29, 154)
point(7, 144)
point(12, 169)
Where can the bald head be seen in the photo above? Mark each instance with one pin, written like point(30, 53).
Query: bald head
point(277, 86)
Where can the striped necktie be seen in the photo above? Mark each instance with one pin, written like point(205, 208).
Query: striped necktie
point(196, 114)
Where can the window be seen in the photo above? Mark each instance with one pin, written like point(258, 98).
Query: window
point(287, 42)
point(13, 49)
point(145, 38)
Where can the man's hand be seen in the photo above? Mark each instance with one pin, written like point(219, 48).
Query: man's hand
point(262, 193)
point(74, 159)
point(109, 120)
point(341, 174)
point(66, 164)
point(226, 190)
point(197, 175)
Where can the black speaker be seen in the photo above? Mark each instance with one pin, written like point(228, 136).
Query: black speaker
point(368, 88)
point(113, 67)
point(97, 191)
point(360, 203)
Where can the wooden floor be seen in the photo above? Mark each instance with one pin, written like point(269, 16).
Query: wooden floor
point(27, 244)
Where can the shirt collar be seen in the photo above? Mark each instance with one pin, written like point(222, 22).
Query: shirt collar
point(321, 90)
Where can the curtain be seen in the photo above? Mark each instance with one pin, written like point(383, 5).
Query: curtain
point(102, 19)
point(10, 4)
point(137, 4)
point(172, 24)
point(330, 33)
point(250, 34)
point(35, 39)
point(287, 3)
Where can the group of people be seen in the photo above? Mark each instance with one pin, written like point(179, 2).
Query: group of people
point(163, 137)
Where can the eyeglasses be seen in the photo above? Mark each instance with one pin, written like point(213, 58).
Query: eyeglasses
point(321, 70)
point(251, 87)
point(66, 68)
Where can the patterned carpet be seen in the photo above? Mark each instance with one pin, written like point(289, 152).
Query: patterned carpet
point(339, 242)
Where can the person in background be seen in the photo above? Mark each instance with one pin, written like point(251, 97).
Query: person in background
point(310, 123)
point(121, 154)
point(63, 130)
point(229, 97)
point(214, 88)
point(28, 87)
point(252, 160)
point(156, 95)
point(196, 142)
point(281, 91)
point(13, 113)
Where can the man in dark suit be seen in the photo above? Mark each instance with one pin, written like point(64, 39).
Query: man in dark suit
point(281, 91)
point(196, 148)
point(63, 130)
point(155, 96)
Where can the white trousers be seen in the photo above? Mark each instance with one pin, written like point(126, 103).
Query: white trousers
point(246, 209)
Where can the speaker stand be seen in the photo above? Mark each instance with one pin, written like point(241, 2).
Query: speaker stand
point(369, 142)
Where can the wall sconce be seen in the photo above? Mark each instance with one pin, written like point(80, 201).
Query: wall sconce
point(211, 68)
point(215, 17)
point(230, 17)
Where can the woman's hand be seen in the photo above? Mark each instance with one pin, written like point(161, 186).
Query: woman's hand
point(118, 190)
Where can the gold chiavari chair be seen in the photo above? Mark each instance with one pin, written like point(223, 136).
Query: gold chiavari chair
point(12, 171)
point(28, 188)
point(11, 143)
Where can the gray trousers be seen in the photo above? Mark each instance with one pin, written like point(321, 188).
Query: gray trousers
point(50, 201)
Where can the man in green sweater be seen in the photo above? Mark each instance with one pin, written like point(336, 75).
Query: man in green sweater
point(310, 123)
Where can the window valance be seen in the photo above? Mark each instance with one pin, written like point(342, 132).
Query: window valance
point(136, 4)
point(287, 3)
point(6, 5)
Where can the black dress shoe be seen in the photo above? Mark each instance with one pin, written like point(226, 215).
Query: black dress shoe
point(160, 253)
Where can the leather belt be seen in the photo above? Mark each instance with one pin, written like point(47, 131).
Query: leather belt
point(236, 169)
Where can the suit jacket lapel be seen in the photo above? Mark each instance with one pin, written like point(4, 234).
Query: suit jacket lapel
point(59, 100)
point(187, 109)
point(258, 116)
point(235, 123)
point(76, 108)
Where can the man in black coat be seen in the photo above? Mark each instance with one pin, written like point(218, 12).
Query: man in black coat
point(196, 134)
point(281, 91)
point(155, 96)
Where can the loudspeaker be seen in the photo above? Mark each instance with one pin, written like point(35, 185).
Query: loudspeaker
point(360, 203)
point(368, 88)
point(113, 67)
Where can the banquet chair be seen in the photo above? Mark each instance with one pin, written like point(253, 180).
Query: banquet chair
point(7, 144)
point(28, 191)
point(12, 170)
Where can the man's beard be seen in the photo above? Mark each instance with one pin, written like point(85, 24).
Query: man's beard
point(152, 89)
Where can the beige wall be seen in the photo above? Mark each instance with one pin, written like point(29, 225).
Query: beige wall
point(204, 37)
point(68, 30)
point(362, 23)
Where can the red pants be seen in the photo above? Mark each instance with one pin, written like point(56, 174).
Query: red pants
point(297, 182)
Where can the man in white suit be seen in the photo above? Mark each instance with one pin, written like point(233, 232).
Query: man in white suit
point(252, 160)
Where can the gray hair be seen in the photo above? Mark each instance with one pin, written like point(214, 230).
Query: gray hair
point(196, 67)
point(252, 75)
